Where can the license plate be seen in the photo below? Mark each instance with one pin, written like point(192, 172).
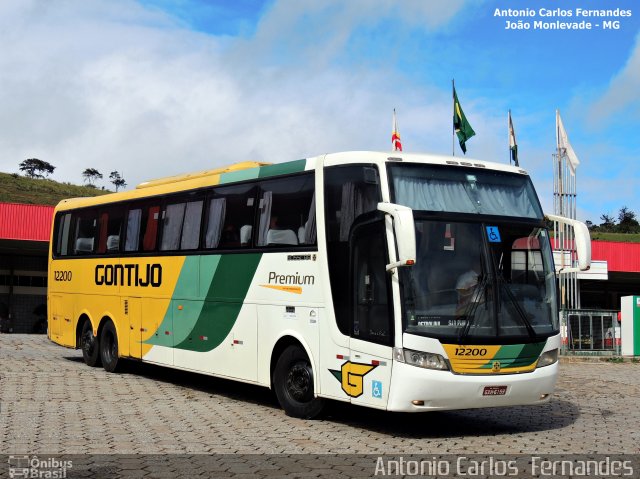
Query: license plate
point(494, 391)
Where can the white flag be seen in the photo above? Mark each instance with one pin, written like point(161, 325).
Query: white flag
point(564, 147)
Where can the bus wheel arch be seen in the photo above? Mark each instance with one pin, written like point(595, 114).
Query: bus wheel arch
point(292, 379)
point(87, 342)
point(109, 345)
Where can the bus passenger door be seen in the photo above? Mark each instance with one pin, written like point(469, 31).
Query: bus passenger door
point(131, 309)
point(368, 371)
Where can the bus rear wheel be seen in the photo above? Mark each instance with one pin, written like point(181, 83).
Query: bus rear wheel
point(90, 345)
point(109, 347)
point(294, 386)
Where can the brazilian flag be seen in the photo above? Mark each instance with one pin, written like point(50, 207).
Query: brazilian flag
point(460, 124)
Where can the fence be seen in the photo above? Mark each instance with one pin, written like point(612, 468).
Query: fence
point(590, 330)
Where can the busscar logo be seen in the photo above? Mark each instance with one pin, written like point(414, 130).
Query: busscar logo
point(289, 283)
point(129, 275)
point(351, 377)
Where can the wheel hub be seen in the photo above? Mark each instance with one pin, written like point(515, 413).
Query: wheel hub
point(299, 382)
point(88, 343)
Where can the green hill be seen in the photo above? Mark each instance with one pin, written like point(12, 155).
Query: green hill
point(20, 189)
point(618, 237)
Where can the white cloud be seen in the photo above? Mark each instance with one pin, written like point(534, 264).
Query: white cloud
point(622, 95)
point(115, 86)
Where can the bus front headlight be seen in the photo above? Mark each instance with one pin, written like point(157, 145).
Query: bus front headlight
point(420, 359)
point(548, 358)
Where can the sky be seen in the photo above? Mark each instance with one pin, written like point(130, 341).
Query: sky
point(153, 88)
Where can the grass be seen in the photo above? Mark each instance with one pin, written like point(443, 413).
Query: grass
point(619, 237)
point(20, 189)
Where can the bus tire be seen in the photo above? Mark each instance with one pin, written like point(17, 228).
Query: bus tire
point(294, 386)
point(90, 345)
point(109, 347)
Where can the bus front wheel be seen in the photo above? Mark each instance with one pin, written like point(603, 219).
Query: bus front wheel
point(109, 347)
point(90, 345)
point(293, 384)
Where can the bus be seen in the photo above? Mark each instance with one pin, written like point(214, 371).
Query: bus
point(397, 281)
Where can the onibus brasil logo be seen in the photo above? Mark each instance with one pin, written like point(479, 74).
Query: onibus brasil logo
point(34, 467)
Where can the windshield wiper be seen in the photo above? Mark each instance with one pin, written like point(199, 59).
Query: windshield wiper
point(518, 308)
point(471, 309)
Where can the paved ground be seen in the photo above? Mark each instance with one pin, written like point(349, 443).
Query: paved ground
point(51, 403)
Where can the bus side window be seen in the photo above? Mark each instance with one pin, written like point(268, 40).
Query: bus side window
point(349, 191)
point(181, 226)
point(62, 236)
point(110, 231)
point(230, 215)
point(133, 230)
point(142, 219)
point(191, 226)
point(172, 219)
point(287, 212)
point(85, 232)
point(372, 316)
point(151, 230)
point(102, 233)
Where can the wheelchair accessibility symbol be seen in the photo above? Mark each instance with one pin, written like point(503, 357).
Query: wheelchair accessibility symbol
point(376, 389)
point(493, 234)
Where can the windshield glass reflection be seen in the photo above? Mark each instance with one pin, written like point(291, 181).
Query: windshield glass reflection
point(478, 282)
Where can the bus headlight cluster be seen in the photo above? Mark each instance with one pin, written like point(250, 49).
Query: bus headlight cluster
point(548, 358)
point(420, 359)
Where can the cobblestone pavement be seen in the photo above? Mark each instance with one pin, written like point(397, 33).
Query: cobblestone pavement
point(52, 403)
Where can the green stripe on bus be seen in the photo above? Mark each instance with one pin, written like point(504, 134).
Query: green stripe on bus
point(240, 175)
point(282, 168)
point(516, 355)
point(223, 302)
point(203, 268)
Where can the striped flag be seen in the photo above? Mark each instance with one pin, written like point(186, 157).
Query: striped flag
point(395, 135)
point(513, 146)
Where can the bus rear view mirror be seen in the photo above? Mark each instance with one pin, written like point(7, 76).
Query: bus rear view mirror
point(582, 241)
point(405, 233)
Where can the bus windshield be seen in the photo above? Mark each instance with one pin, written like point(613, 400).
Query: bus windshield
point(464, 190)
point(478, 281)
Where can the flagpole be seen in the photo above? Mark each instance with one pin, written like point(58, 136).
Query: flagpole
point(453, 126)
point(509, 134)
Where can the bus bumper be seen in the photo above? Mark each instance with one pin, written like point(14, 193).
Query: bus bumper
point(415, 389)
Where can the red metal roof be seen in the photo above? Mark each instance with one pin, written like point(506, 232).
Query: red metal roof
point(25, 222)
point(33, 223)
point(623, 257)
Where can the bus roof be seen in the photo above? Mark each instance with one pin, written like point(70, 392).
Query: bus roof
point(251, 170)
point(201, 174)
point(399, 156)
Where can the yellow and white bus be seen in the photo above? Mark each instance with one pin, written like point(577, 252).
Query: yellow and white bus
point(407, 282)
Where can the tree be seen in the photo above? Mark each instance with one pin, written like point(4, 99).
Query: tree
point(627, 222)
point(35, 168)
point(607, 224)
point(90, 175)
point(117, 180)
